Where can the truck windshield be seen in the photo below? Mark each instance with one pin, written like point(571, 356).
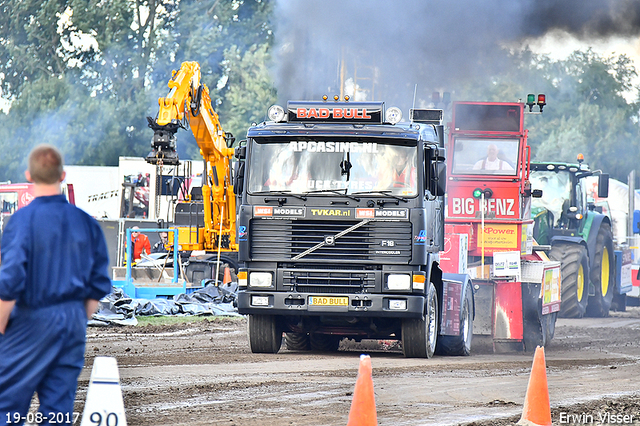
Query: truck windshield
point(302, 166)
point(485, 156)
point(556, 192)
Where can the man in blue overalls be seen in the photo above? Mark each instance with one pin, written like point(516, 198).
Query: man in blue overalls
point(53, 273)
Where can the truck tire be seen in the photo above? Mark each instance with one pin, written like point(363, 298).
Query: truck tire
point(602, 275)
point(460, 345)
point(574, 270)
point(419, 335)
point(324, 342)
point(296, 341)
point(265, 336)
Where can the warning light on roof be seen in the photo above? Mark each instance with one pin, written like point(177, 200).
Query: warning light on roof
point(542, 101)
point(580, 158)
point(531, 101)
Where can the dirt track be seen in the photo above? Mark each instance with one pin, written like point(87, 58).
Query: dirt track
point(205, 374)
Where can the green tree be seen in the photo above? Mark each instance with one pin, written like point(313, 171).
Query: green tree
point(250, 91)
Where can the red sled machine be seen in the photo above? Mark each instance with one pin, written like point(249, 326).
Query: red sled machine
point(489, 230)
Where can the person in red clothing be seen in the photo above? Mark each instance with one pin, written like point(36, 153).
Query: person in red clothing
point(140, 244)
point(404, 169)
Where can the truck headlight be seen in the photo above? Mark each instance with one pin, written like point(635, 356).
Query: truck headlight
point(399, 282)
point(260, 279)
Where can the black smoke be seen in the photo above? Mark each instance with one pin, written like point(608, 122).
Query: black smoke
point(392, 46)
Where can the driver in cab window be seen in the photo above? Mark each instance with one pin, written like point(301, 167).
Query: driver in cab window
point(492, 161)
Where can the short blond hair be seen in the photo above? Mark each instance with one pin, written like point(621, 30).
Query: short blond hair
point(45, 164)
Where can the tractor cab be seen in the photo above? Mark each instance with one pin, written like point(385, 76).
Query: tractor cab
point(489, 173)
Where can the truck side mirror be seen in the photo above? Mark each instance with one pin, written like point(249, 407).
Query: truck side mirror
point(238, 178)
point(241, 150)
point(636, 221)
point(536, 193)
point(229, 139)
point(440, 186)
point(603, 185)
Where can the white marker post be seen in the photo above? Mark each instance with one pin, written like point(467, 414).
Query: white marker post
point(104, 405)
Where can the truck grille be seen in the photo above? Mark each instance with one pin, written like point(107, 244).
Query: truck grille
point(282, 240)
point(323, 281)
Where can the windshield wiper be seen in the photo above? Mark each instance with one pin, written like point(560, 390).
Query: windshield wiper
point(281, 192)
point(333, 191)
point(385, 193)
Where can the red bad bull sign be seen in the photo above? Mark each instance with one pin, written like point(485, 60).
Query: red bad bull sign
point(338, 112)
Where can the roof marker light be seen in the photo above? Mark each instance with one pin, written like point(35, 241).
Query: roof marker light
point(336, 98)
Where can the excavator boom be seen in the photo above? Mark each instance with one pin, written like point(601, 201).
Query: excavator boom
point(188, 105)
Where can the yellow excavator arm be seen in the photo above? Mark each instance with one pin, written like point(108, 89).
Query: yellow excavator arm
point(188, 105)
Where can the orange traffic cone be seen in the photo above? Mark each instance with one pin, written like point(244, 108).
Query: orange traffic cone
point(536, 410)
point(227, 275)
point(363, 405)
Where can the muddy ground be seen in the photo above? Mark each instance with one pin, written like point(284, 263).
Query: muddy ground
point(203, 373)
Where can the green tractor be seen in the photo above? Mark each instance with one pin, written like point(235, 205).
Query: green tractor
point(580, 236)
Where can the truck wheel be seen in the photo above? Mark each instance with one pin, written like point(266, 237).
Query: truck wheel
point(296, 341)
point(264, 334)
point(419, 335)
point(460, 345)
point(574, 270)
point(324, 342)
point(602, 274)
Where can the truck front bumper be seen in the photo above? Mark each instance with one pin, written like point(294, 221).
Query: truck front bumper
point(360, 305)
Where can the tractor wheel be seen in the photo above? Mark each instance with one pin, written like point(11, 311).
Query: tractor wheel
point(602, 274)
point(296, 341)
point(574, 271)
point(419, 335)
point(265, 336)
point(461, 344)
point(324, 342)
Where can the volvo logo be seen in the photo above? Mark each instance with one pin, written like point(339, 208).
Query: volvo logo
point(330, 240)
